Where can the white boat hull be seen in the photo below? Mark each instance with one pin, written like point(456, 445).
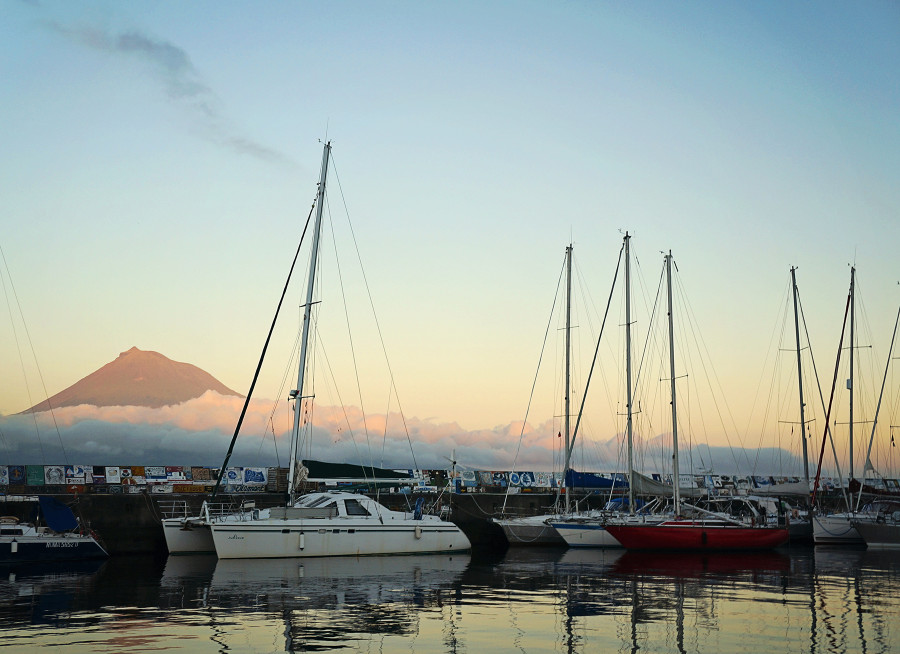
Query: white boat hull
point(302, 538)
point(188, 536)
point(835, 529)
point(333, 524)
point(585, 534)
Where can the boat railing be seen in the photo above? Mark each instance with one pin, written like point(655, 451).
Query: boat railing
point(174, 509)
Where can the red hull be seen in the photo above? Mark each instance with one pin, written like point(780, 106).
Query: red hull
point(697, 536)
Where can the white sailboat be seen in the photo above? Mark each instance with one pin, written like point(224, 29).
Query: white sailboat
point(536, 529)
point(328, 523)
point(839, 528)
point(590, 530)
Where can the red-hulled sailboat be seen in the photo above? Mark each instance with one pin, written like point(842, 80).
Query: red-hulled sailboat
point(715, 532)
point(698, 535)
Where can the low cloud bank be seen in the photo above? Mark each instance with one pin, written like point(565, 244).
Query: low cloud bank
point(198, 432)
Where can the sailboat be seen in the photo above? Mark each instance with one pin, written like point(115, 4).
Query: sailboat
point(874, 521)
point(536, 529)
point(328, 523)
point(61, 539)
point(703, 530)
point(590, 530)
point(542, 529)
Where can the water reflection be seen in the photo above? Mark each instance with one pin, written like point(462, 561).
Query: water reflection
point(802, 600)
point(321, 601)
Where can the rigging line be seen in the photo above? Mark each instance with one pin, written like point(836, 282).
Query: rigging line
point(698, 339)
point(649, 331)
point(375, 316)
point(878, 409)
point(278, 393)
point(536, 372)
point(774, 392)
point(350, 335)
point(828, 413)
point(22, 361)
point(819, 387)
point(387, 413)
point(783, 314)
point(337, 391)
point(262, 356)
point(600, 336)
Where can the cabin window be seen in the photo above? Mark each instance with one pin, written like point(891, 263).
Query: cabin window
point(11, 532)
point(319, 501)
point(353, 507)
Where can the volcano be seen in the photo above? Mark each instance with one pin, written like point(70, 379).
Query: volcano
point(137, 378)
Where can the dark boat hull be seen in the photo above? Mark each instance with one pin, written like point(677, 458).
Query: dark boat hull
point(50, 549)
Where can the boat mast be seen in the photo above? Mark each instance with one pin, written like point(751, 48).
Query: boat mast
point(800, 380)
point(297, 394)
point(852, 347)
point(675, 475)
point(628, 398)
point(568, 367)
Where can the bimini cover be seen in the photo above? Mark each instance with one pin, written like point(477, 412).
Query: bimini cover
point(57, 515)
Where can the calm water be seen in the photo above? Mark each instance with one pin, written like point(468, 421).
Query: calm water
point(802, 600)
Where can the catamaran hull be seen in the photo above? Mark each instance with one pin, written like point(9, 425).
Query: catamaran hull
point(585, 535)
point(45, 548)
point(697, 537)
point(292, 539)
point(185, 536)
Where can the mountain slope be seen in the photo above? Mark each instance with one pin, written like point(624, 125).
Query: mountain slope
point(137, 378)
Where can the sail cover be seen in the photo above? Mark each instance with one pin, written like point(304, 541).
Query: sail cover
point(57, 515)
point(644, 485)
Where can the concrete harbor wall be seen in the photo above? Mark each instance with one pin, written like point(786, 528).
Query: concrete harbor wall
point(130, 523)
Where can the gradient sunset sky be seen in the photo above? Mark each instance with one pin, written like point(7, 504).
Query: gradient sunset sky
point(159, 159)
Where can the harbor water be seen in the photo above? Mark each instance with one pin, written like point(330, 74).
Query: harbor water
point(526, 600)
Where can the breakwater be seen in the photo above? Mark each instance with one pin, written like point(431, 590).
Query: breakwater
point(130, 523)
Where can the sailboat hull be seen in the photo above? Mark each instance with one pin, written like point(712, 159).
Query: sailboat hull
point(585, 534)
point(836, 529)
point(880, 536)
point(49, 547)
point(687, 535)
point(531, 531)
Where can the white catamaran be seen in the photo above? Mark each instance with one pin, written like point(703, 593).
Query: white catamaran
point(328, 523)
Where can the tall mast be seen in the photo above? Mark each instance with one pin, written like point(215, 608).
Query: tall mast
point(675, 474)
point(297, 394)
point(800, 379)
point(628, 398)
point(852, 347)
point(568, 365)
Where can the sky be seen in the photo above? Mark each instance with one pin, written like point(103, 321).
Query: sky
point(159, 160)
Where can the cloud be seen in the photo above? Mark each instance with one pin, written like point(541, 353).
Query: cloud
point(182, 83)
point(198, 432)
